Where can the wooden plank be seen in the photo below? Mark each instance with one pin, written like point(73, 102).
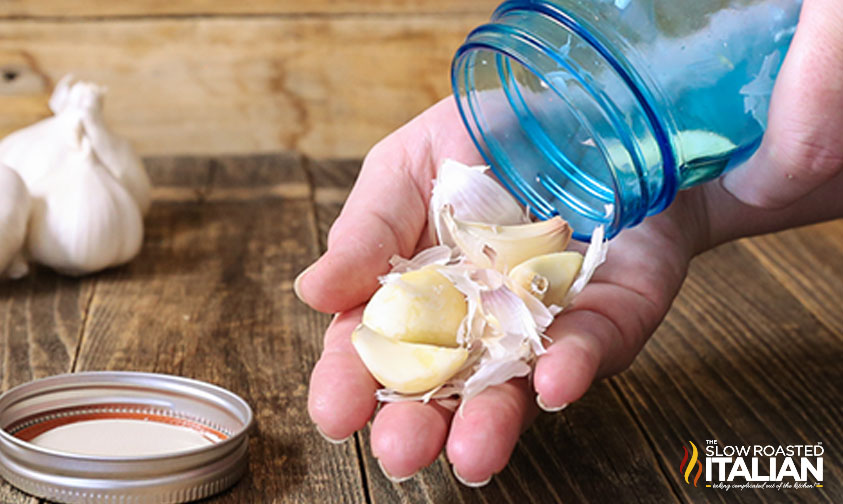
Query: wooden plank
point(808, 262)
point(332, 181)
point(328, 87)
point(210, 297)
point(97, 8)
point(591, 452)
point(585, 453)
point(741, 361)
point(41, 320)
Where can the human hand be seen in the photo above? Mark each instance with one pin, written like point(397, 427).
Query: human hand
point(801, 150)
point(596, 336)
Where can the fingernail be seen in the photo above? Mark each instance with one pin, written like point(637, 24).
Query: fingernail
point(471, 484)
point(547, 408)
point(297, 282)
point(330, 439)
point(390, 477)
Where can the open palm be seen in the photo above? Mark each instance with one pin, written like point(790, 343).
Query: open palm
point(598, 335)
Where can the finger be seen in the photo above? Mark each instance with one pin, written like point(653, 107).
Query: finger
point(383, 216)
point(408, 436)
point(801, 148)
point(484, 434)
point(386, 212)
point(599, 334)
point(341, 398)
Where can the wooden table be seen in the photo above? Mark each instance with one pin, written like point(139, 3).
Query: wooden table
point(750, 353)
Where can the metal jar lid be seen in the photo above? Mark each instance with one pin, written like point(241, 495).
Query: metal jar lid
point(173, 477)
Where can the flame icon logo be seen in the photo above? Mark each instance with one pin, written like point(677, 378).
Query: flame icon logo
point(687, 467)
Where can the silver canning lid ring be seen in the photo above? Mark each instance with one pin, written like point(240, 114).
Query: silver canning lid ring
point(168, 478)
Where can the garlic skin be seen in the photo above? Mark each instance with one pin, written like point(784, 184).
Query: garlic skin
point(83, 220)
point(504, 247)
point(37, 150)
point(15, 204)
point(509, 281)
point(419, 306)
point(474, 197)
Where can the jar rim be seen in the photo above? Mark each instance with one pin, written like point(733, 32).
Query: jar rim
point(631, 203)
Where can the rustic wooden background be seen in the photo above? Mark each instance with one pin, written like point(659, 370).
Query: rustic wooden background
point(750, 353)
point(327, 78)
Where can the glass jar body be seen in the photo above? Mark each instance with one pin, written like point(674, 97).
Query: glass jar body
point(601, 110)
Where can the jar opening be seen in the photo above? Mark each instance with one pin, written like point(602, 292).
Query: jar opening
point(560, 125)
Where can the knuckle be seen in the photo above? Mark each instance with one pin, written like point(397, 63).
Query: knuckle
point(811, 158)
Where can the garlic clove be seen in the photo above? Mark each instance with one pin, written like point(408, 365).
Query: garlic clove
point(15, 204)
point(420, 306)
point(548, 277)
point(408, 368)
point(474, 196)
point(83, 220)
point(504, 247)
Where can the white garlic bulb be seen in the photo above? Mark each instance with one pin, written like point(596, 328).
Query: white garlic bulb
point(35, 151)
point(83, 219)
point(14, 214)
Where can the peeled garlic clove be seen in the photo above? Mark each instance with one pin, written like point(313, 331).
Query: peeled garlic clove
point(409, 368)
point(14, 214)
point(504, 247)
point(83, 220)
point(420, 306)
point(548, 277)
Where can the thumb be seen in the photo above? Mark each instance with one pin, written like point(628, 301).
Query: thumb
point(384, 215)
point(801, 149)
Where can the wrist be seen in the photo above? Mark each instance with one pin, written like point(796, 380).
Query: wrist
point(729, 219)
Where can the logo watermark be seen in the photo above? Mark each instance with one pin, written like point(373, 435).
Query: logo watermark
point(740, 467)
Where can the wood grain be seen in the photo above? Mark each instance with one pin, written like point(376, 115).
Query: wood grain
point(332, 181)
point(808, 263)
point(591, 452)
point(147, 8)
point(741, 361)
point(42, 317)
point(328, 87)
point(749, 354)
point(210, 297)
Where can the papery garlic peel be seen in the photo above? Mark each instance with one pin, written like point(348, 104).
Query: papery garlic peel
point(474, 197)
point(14, 214)
point(514, 278)
point(504, 247)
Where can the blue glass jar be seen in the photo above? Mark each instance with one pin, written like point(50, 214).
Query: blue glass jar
point(602, 110)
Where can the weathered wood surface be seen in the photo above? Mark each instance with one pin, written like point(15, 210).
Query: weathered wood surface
point(749, 354)
point(152, 8)
point(230, 77)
